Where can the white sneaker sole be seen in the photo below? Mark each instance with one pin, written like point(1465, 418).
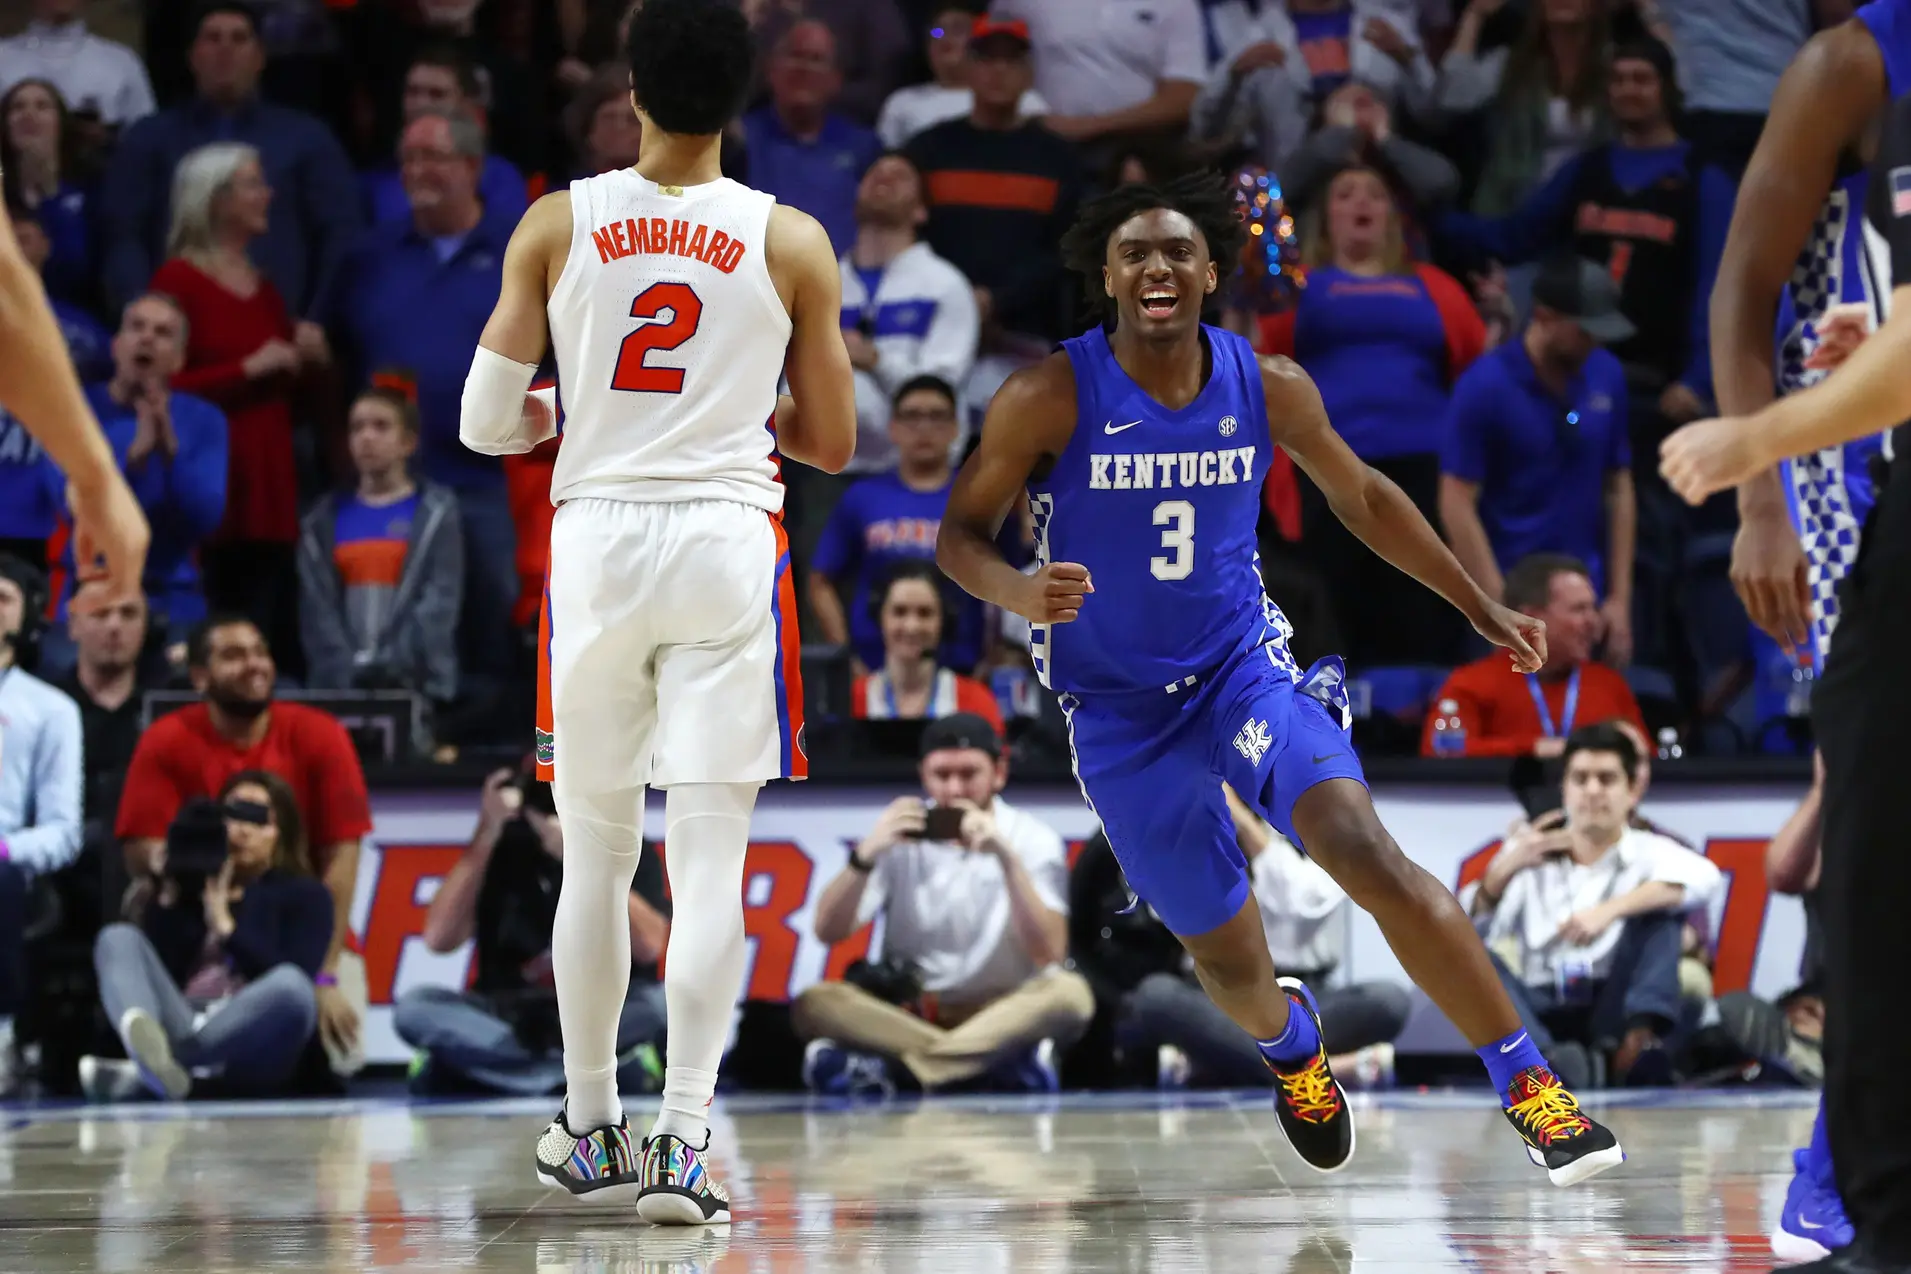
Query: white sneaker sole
point(1581, 1169)
point(673, 1207)
point(1796, 1249)
point(147, 1045)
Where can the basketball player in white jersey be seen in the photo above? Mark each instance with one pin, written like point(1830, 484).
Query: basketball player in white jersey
point(675, 301)
point(39, 386)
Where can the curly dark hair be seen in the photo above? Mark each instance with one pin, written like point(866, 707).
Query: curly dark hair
point(1205, 198)
point(691, 63)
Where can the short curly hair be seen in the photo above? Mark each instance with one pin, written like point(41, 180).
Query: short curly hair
point(1205, 198)
point(691, 63)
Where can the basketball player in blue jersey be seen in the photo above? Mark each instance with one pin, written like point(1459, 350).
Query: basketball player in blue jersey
point(1861, 711)
point(1796, 251)
point(1143, 451)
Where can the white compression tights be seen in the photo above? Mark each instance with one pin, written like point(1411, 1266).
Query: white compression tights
point(707, 834)
point(707, 830)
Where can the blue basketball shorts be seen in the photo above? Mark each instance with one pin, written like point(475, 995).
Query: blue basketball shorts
point(1151, 764)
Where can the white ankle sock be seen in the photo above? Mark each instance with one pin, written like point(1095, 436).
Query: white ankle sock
point(590, 946)
point(707, 836)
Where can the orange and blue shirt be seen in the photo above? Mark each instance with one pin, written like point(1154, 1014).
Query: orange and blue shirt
point(369, 554)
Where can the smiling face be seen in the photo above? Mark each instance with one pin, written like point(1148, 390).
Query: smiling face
point(1158, 271)
point(911, 618)
point(33, 118)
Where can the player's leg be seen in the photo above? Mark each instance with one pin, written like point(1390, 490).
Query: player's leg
point(729, 705)
point(1308, 784)
point(596, 663)
point(1181, 856)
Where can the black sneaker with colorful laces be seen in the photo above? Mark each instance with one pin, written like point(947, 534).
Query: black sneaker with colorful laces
point(1309, 1101)
point(1559, 1136)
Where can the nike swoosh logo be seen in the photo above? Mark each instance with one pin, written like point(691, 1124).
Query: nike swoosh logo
point(1322, 760)
point(1112, 428)
point(1803, 1224)
point(1507, 1048)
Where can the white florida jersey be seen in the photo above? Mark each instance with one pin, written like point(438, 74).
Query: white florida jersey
point(670, 339)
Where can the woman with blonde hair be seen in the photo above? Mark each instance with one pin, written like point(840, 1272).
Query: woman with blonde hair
point(1384, 338)
point(245, 355)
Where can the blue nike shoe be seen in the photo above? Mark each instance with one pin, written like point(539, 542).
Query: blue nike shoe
point(1812, 1225)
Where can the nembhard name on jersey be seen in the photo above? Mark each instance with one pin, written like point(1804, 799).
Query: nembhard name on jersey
point(667, 237)
point(1165, 470)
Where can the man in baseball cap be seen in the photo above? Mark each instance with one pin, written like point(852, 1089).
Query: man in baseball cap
point(1537, 456)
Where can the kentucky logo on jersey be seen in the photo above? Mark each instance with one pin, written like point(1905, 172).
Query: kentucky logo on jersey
point(1253, 741)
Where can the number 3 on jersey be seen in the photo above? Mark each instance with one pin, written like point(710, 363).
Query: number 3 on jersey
point(634, 371)
point(1178, 517)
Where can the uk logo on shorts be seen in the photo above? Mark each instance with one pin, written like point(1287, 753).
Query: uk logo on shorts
point(546, 748)
point(1253, 741)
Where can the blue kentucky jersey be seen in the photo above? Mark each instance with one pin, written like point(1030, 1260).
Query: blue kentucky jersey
point(1161, 507)
point(1831, 491)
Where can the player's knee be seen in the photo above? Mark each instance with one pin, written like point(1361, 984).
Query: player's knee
point(710, 800)
point(1360, 855)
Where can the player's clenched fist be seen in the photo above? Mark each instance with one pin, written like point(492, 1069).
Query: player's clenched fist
point(1053, 595)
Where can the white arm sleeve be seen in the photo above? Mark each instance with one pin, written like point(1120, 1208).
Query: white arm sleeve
point(492, 418)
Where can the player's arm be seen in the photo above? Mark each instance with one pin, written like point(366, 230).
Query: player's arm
point(497, 418)
point(1829, 93)
point(816, 422)
point(38, 385)
point(1028, 424)
point(1369, 504)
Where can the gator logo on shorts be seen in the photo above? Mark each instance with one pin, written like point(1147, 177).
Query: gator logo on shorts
point(546, 748)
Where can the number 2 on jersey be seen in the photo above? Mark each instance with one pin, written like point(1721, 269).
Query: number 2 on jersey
point(634, 371)
point(1178, 517)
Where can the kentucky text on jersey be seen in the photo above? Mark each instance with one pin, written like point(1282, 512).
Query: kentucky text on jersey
point(1145, 471)
point(667, 237)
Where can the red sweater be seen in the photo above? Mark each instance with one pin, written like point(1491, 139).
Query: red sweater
point(262, 486)
point(1496, 704)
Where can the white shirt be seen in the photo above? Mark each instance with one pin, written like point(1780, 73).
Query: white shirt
point(1094, 57)
point(1303, 912)
point(670, 340)
point(924, 321)
point(89, 71)
point(946, 909)
point(920, 107)
point(40, 773)
point(1541, 898)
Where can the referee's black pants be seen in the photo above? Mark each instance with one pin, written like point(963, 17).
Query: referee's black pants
point(1862, 714)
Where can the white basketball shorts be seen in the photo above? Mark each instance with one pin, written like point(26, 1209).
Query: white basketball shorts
point(668, 650)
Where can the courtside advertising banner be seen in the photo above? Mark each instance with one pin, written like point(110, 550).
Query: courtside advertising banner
point(802, 835)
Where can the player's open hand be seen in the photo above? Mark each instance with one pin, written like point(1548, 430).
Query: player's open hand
point(1522, 634)
point(1054, 594)
point(1709, 456)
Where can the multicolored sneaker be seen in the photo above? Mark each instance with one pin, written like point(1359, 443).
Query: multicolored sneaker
point(1812, 1224)
point(601, 1165)
point(1559, 1137)
point(1312, 1108)
point(676, 1188)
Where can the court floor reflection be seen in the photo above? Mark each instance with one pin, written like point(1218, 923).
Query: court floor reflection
point(1056, 1186)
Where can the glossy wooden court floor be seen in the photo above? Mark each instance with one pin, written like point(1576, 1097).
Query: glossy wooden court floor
point(990, 1187)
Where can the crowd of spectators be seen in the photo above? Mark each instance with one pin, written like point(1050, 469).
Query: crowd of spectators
point(272, 260)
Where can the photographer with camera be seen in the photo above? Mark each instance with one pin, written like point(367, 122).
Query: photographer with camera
point(502, 1035)
point(212, 973)
point(1585, 917)
point(974, 899)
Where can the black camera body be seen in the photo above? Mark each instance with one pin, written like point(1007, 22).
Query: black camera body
point(196, 843)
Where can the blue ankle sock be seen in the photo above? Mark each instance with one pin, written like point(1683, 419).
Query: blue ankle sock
point(1506, 1058)
point(1295, 1045)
